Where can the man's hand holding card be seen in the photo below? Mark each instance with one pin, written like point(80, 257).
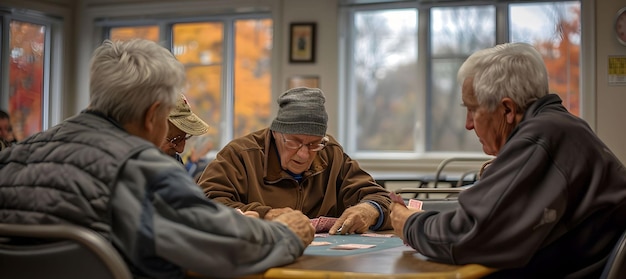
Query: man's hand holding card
point(400, 212)
point(395, 198)
point(413, 203)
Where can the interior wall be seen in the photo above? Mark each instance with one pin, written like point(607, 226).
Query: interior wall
point(324, 13)
point(610, 99)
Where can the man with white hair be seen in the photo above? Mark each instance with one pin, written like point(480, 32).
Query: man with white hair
point(552, 204)
point(102, 169)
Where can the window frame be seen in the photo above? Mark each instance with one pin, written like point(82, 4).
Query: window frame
point(421, 159)
point(53, 82)
point(227, 90)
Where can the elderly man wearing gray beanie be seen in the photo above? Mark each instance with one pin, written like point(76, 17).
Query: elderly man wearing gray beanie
point(295, 165)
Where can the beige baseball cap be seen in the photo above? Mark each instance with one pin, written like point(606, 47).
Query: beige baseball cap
point(187, 121)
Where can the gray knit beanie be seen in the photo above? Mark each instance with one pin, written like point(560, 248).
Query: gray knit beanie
point(301, 111)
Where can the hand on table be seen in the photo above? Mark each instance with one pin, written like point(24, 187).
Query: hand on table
point(249, 213)
point(275, 212)
point(299, 224)
point(356, 219)
point(399, 214)
point(252, 214)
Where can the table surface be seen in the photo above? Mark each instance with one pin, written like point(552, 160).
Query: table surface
point(399, 261)
point(380, 241)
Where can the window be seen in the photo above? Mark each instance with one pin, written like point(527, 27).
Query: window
point(28, 96)
point(384, 89)
point(227, 59)
point(556, 33)
point(253, 45)
point(198, 46)
point(150, 32)
point(403, 99)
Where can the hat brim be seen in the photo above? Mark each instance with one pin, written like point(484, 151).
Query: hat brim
point(191, 124)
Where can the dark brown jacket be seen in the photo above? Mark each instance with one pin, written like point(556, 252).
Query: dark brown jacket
point(246, 174)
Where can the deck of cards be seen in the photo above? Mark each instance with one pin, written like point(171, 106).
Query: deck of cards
point(323, 224)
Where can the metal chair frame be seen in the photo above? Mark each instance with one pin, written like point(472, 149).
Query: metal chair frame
point(57, 251)
point(615, 267)
point(448, 161)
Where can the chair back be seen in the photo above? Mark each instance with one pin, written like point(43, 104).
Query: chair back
point(468, 177)
point(57, 251)
point(616, 264)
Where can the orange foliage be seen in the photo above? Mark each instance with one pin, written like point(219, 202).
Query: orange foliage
point(563, 63)
point(252, 75)
point(126, 33)
point(199, 46)
point(26, 78)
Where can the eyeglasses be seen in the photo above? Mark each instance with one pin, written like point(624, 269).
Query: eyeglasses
point(292, 144)
point(178, 139)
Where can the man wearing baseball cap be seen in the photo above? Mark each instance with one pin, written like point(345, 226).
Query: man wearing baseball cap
point(183, 124)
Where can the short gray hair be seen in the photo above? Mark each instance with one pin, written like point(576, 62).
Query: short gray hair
point(127, 77)
point(513, 70)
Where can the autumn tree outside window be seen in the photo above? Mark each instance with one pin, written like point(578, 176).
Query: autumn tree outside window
point(403, 99)
point(227, 60)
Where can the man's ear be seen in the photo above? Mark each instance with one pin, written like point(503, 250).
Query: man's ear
point(151, 117)
point(510, 110)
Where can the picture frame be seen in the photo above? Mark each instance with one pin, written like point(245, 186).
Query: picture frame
point(302, 42)
point(303, 81)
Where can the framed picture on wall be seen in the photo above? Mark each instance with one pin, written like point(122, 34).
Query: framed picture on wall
point(303, 81)
point(302, 42)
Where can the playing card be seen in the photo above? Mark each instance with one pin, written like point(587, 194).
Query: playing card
point(377, 234)
point(416, 204)
point(319, 243)
point(397, 198)
point(352, 246)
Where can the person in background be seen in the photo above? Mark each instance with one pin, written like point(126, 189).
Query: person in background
point(183, 124)
point(102, 169)
point(295, 165)
point(551, 204)
point(195, 158)
point(6, 131)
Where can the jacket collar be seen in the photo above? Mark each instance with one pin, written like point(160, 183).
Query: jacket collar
point(551, 101)
point(548, 102)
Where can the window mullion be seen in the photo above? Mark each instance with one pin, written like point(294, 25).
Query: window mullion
point(228, 81)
